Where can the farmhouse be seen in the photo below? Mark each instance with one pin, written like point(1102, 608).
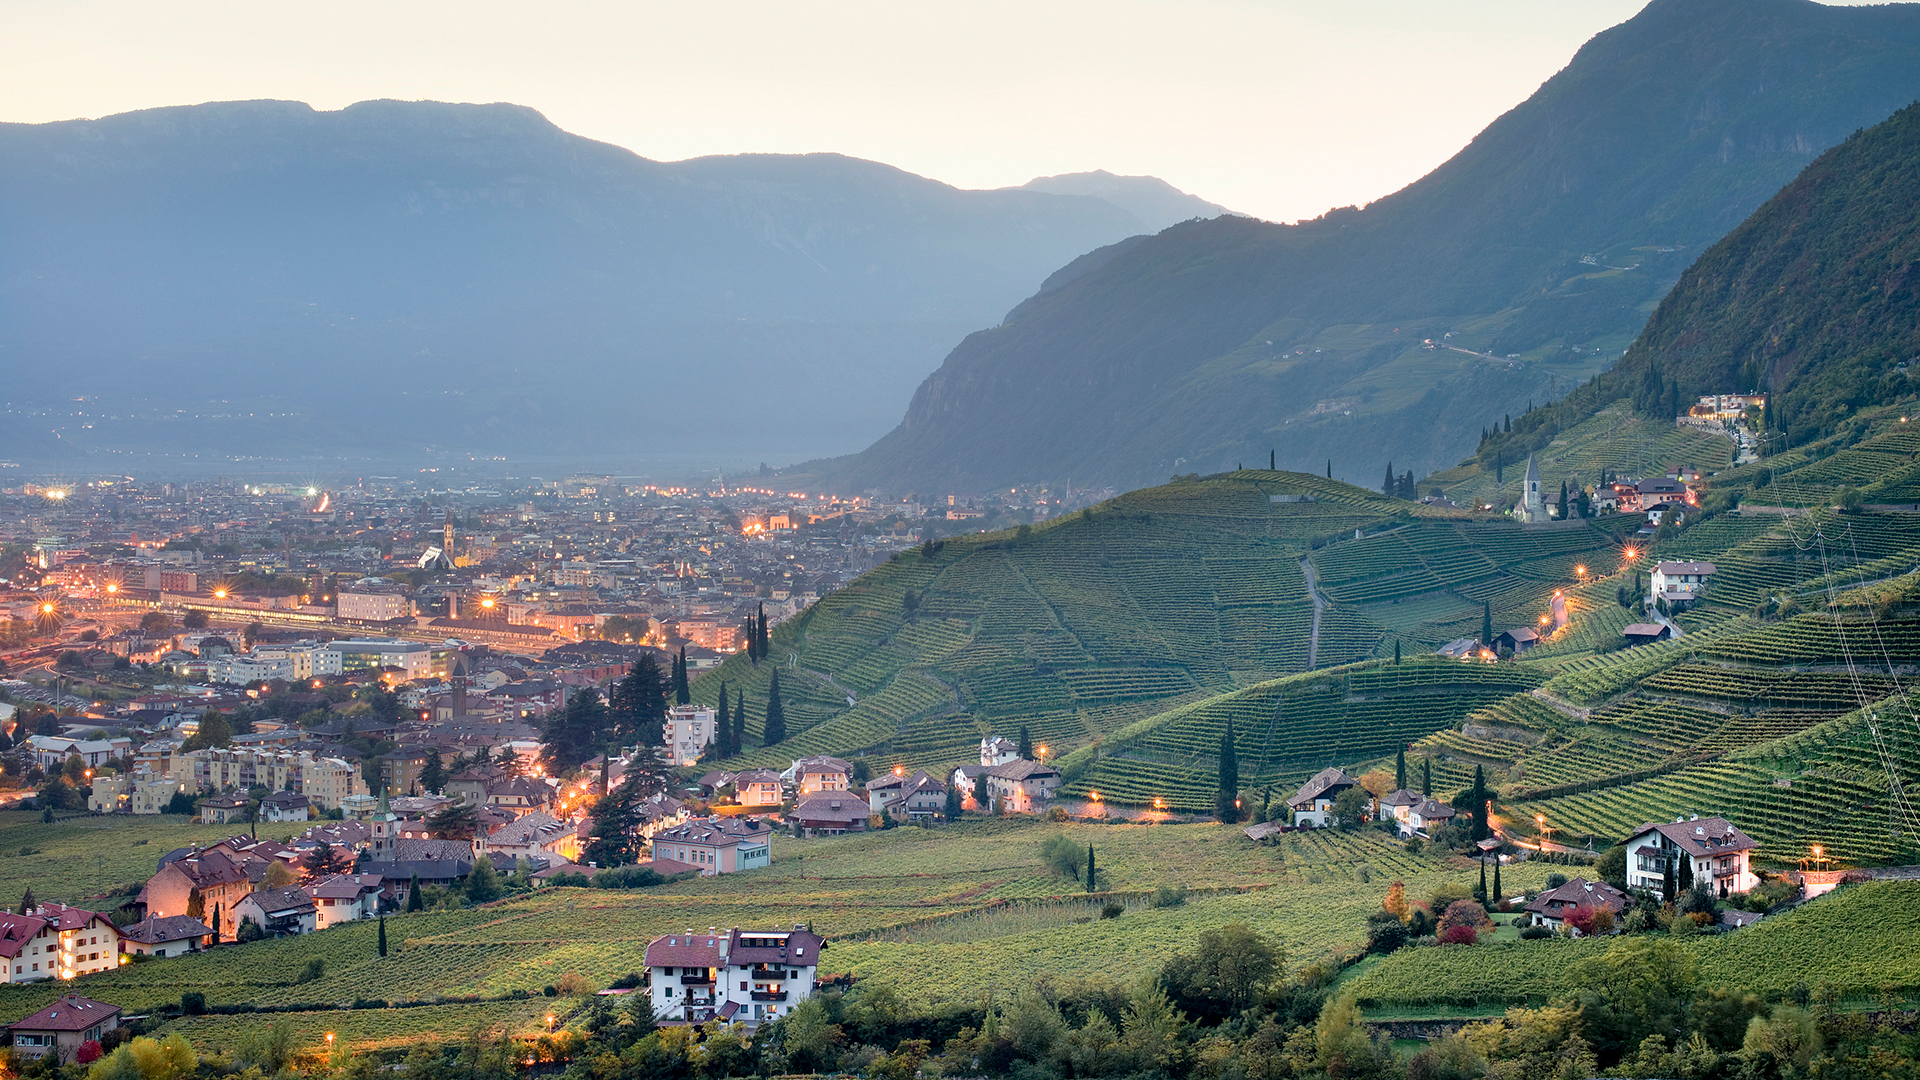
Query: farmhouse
point(1519, 639)
point(745, 976)
point(1642, 633)
point(1679, 582)
point(829, 814)
point(174, 935)
point(1413, 812)
point(918, 797)
point(344, 898)
point(61, 1028)
point(209, 877)
point(1313, 804)
point(1717, 852)
point(1022, 787)
point(1551, 908)
point(760, 787)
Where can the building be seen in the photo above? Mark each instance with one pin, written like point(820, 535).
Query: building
point(995, 750)
point(1641, 633)
point(1519, 639)
point(829, 813)
point(207, 879)
point(51, 752)
point(344, 898)
point(1552, 907)
point(689, 731)
point(1679, 582)
point(1533, 506)
point(326, 782)
point(1719, 853)
point(372, 603)
point(817, 774)
point(54, 941)
point(1313, 803)
point(242, 670)
point(224, 809)
point(174, 935)
point(413, 658)
point(1726, 406)
point(279, 912)
point(532, 836)
point(1021, 787)
point(716, 845)
point(285, 806)
point(746, 976)
point(760, 787)
point(60, 1029)
point(120, 793)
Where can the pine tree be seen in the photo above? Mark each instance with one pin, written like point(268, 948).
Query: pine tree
point(723, 724)
point(433, 775)
point(1090, 884)
point(383, 935)
point(1426, 777)
point(1400, 770)
point(1486, 622)
point(955, 807)
point(775, 729)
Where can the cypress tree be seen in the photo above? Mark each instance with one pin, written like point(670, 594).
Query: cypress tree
point(1400, 770)
point(723, 724)
point(1426, 777)
point(1496, 880)
point(1666, 882)
point(1486, 622)
point(1026, 744)
point(1686, 872)
point(1479, 810)
point(1480, 891)
point(775, 729)
point(383, 935)
point(1563, 500)
point(1396, 653)
point(682, 692)
point(740, 721)
point(1392, 482)
point(1329, 468)
point(1273, 461)
point(1090, 867)
point(414, 901)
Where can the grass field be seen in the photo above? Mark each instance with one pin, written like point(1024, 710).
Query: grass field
point(86, 856)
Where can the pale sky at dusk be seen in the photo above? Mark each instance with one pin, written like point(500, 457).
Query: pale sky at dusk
point(1281, 108)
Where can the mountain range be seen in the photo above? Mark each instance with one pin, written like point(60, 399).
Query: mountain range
point(262, 278)
point(1396, 333)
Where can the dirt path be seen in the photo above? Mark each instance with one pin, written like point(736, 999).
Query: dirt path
point(1319, 604)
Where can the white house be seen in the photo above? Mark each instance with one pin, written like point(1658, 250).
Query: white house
point(1021, 786)
point(1679, 582)
point(1313, 804)
point(345, 898)
point(746, 976)
point(689, 731)
point(995, 750)
point(279, 912)
point(1413, 812)
point(1718, 851)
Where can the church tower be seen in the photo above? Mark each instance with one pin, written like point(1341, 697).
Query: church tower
point(1533, 509)
point(446, 535)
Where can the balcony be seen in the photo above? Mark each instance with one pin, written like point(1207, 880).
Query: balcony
point(696, 980)
point(769, 995)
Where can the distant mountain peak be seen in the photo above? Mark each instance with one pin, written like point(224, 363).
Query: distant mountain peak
point(1155, 202)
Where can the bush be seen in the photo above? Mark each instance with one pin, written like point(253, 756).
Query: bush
point(193, 1003)
point(1385, 934)
point(1168, 896)
point(1112, 909)
point(1554, 881)
point(1066, 857)
point(1459, 935)
point(1535, 933)
point(622, 877)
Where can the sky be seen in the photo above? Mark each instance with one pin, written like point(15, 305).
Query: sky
point(1280, 109)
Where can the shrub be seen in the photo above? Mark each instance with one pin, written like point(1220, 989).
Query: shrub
point(1554, 881)
point(1459, 935)
point(1112, 909)
point(621, 877)
point(1168, 896)
point(193, 1003)
point(1463, 913)
point(1535, 933)
point(1385, 934)
point(1066, 857)
point(1591, 920)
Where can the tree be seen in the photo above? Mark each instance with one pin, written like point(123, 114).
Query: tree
point(1486, 622)
point(382, 946)
point(433, 775)
point(955, 807)
point(775, 729)
point(1229, 777)
point(577, 731)
point(1062, 854)
point(1478, 804)
point(156, 622)
point(26, 903)
point(415, 902)
point(1225, 973)
point(324, 861)
point(483, 881)
point(1392, 484)
point(1396, 653)
point(1400, 770)
point(1026, 743)
point(723, 725)
point(1350, 807)
point(280, 875)
point(1563, 500)
point(1426, 777)
point(611, 841)
point(638, 713)
point(1396, 902)
point(682, 692)
point(980, 800)
point(458, 821)
point(1498, 894)
point(194, 620)
point(1090, 874)
point(214, 731)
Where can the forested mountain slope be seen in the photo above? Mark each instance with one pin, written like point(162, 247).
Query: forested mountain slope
point(1529, 260)
point(399, 275)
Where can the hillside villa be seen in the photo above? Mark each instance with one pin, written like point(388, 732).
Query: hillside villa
point(1719, 853)
point(1551, 908)
point(1313, 803)
point(715, 845)
point(744, 976)
point(1413, 812)
point(60, 1029)
point(1679, 582)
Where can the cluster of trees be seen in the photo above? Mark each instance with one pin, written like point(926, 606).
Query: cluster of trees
point(757, 635)
point(1401, 486)
point(587, 727)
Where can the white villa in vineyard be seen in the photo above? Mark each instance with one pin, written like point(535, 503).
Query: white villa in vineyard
point(748, 976)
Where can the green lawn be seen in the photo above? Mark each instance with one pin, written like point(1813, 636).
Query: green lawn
point(80, 859)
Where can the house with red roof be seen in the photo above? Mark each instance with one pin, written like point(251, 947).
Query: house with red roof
point(1719, 854)
point(745, 976)
point(63, 1027)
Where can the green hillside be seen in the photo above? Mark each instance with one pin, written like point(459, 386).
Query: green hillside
point(1512, 273)
point(1815, 297)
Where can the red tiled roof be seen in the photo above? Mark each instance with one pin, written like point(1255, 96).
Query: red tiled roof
point(681, 950)
point(71, 1013)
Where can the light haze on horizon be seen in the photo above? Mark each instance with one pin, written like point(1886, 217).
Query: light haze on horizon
point(1280, 109)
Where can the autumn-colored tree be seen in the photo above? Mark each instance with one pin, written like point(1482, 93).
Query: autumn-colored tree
point(1396, 902)
point(1591, 920)
point(1462, 922)
point(1378, 782)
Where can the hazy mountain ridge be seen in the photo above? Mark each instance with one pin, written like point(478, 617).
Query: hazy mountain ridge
point(1552, 235)
point(483, 249)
